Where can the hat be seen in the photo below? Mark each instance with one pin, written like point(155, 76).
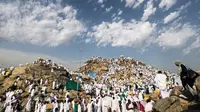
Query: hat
point(130, 93)
point(157, 91)
point(146, 98)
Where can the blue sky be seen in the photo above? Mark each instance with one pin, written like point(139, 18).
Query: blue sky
point(157, 32)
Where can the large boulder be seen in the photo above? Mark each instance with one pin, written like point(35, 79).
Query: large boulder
point(171, 104)
point(1, 78)
point(176, 91)
point(197, 83)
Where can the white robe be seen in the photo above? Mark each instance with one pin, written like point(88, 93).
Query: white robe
point(39, 106)
point(79, 108)
point(41, 81)
point(44, 89)
point(43, 109)
point(149, 107)
point(66, 106)
point(150, 89)
point(28, 106)
point(89, 107)
point(55, 105)
point(97, 91)
point(107, 103)
point(140, 96)
point(115, 105)
point(53, 86)
point(99, 106)
point(61, 107)
point(32, 92)
point(164, 93)
point(123, 105)
point(161, 81)
point(9, 108)
point(30, 87)
point(57, 86)
point(130, 106)
point(46, 82)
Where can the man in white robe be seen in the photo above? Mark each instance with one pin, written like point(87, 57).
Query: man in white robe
point(44, 89)
point(28, 106)
point(43, 108)
point(61, 106)
point(107, 103)
point(41, 81)
point(39, 106)
point(99, 104)
point(161, 83)
point(79, 108)
point(89, 106)
point(123, 105)
point(9, 108)
point(32, 92)
point(54, 84)
point(66, 106)
point(149, 106)
point(97, 91)
point(30, 88)
point(55, 105)
point(115, 105)
point(46, 81)
point(140, 96)
point(84, 105)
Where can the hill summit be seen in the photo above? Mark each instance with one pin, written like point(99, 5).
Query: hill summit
point(122, 68)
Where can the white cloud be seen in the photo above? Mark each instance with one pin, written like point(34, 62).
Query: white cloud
point(87, 41)
point(113, 15)
point(149, 10)
point(185, 6)
point(176, 35)
point(35, 23)
point(116, 19)
point(120, 12)
point(171, 17)
point(95, 9)
point(167, 4)
point(121, 33)
point(133, 3)
point(100, 1)
point(7, 60)
point(176, 14)
point(102, 6)
point(109, 9)
point(137, 3)
point(129, 3)
point(121, 0)
point(194, 45)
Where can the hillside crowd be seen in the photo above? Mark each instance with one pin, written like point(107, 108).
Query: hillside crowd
point(112, 96)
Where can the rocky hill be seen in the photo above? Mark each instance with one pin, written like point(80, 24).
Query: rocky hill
point(23, 76)
point(122, 68)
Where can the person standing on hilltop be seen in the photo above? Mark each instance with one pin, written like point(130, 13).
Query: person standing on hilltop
point(161, 83)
